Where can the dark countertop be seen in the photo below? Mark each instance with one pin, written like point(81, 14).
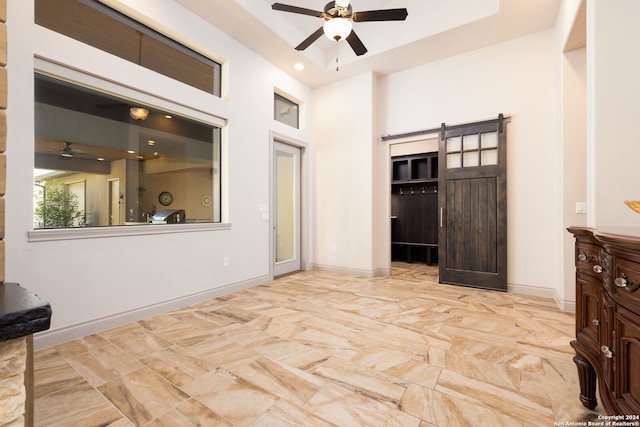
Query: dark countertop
point(22, 313)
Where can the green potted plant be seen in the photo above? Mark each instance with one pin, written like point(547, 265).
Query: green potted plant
point(58, 208)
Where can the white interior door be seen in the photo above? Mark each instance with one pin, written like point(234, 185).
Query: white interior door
point(286, 208)
point(114, 202)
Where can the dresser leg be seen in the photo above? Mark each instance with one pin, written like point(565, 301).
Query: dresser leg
point(587, 377)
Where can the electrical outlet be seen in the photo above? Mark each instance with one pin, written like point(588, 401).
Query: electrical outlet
point(225, 261)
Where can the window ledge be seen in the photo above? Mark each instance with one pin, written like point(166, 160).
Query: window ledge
point(120, 231)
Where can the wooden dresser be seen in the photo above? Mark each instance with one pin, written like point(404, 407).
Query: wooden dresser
point(607, 343)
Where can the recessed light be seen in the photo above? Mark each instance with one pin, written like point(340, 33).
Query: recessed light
point(100, 159)
point(131, 152)
point(151, 142)
point(168, 116)
point(299, 66)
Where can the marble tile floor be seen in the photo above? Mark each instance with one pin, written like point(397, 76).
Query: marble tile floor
point(324, 349)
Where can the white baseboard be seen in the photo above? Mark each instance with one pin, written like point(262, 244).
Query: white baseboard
point(381, 272)
point(565, 305)
point(351, 271)
point(60, 335)
point(533, 291)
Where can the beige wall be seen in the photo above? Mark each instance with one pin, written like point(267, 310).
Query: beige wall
point(613, 89)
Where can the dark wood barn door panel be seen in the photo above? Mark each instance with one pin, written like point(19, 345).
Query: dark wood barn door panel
point(473, 222)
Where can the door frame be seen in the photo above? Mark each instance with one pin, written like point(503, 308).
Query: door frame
point(275, 137)
point(383, 185)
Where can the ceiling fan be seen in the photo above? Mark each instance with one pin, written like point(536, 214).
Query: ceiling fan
point(68, 153)
point(339, 17)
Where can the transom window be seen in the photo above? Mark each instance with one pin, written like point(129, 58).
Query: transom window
point(101, 160)
point(104, 28)
point(286, 111)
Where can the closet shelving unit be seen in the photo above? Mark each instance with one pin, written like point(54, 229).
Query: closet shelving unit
point(414, 208)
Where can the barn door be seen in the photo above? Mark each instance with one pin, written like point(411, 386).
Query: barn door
point(473, 205)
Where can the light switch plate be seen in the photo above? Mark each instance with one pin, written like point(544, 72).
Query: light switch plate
point(581, 207)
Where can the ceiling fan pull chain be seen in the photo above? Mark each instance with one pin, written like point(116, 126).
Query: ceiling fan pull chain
point(337, 52)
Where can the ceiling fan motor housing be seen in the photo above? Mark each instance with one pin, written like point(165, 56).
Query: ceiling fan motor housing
point(332, 10)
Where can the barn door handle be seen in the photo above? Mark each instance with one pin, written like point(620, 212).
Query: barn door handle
point(441, 214)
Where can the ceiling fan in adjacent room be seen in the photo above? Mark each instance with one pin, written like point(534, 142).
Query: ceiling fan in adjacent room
point(339, 17)
point(68, 153)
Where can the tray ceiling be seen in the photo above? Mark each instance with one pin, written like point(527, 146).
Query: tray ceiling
point(433, 30)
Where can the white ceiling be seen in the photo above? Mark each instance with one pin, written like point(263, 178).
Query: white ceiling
point(434, 29)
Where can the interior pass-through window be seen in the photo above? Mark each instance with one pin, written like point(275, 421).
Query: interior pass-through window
point(101, 161)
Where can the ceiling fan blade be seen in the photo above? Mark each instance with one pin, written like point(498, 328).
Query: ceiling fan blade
point(356, 44)
point(296, 9)
point(313, 37)
point(381, 15)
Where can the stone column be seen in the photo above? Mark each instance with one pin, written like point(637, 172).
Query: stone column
point(13, 396)
point(13, 352)
point(11, 367)
point(4, 86)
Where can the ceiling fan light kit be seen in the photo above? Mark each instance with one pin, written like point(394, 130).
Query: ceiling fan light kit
point(339, 17)
point(138, 113)
point(337, 28)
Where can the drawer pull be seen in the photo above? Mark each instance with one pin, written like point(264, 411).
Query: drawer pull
point(598, 269)
point(596, 322)
point(624, 282)
point(606, 352)
point(583, 257)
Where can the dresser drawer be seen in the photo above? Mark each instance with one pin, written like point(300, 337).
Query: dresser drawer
point(626, 283)
point(587, 257)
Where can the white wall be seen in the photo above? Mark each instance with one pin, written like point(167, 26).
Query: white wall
point(93, 283)
point(613, 43)
point(571, 153)
point(343, 144)
point(574, 164)
point(517, 78)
